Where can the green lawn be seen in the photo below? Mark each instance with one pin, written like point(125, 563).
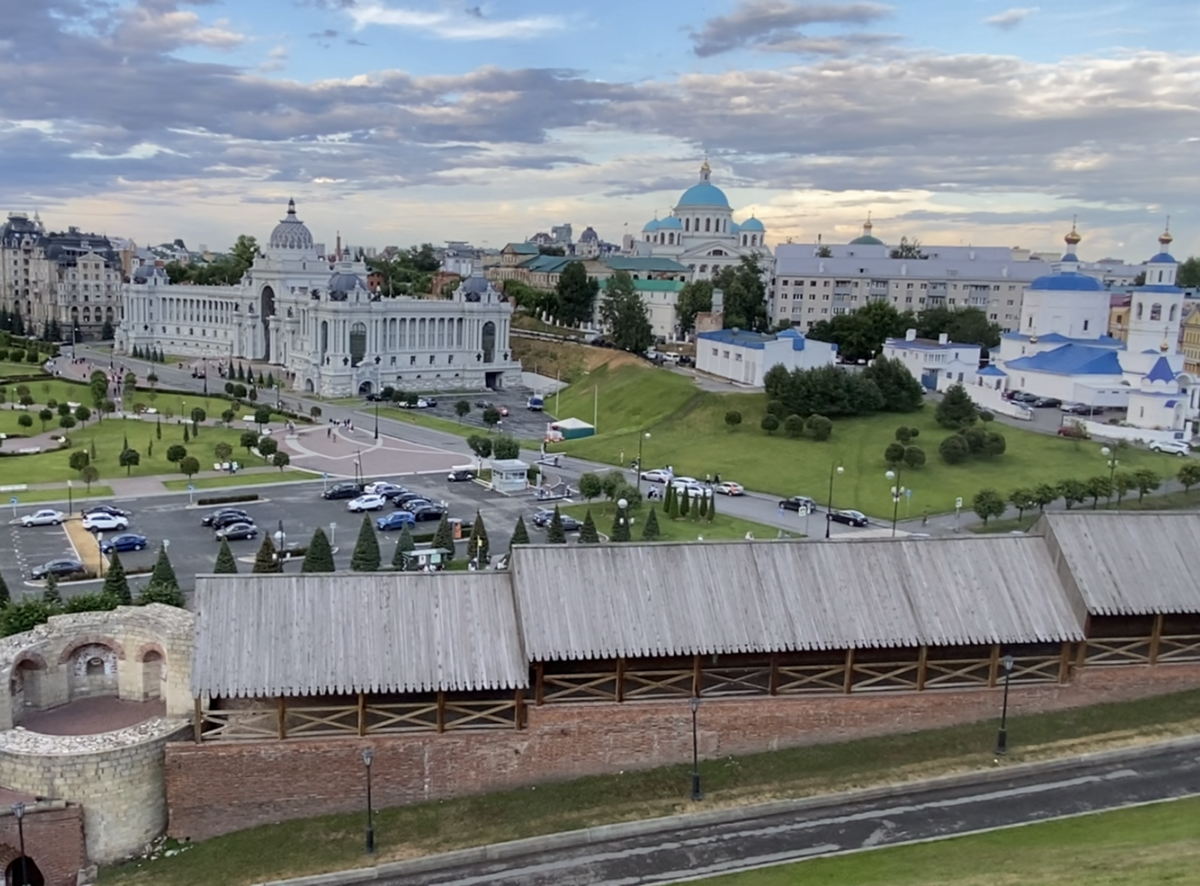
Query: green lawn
point(684, 529)
point(9, 369)
point(422, 419)
point(1146, 844)
point(335, 842)
point(34, 496)
point(688, 431)
point(242, 479)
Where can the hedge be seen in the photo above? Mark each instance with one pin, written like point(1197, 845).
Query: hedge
point(227, 499)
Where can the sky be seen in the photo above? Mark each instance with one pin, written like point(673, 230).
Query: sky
point(405, 121)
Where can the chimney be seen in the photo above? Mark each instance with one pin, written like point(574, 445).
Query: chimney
point(910, 335)
point(944, 338)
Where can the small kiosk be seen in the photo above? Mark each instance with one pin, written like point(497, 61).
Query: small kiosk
point(509, 475)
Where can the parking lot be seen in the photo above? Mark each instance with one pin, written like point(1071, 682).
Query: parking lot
point(298, 507)
point(519, 422)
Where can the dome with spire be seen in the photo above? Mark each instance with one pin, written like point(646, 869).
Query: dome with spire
point(291, 233)
point(1164, 256)
point(1072, 240)
point(652, 226)
point(867, 239)
point(752, 225)
point(704, 192)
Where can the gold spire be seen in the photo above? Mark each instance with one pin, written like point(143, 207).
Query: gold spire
point(1073, 238)
point(1165, 237)
point(867, 225)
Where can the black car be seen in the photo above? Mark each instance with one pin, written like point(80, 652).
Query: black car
point(460, 476)
point(238, 531)
point(850, 518)
point(1023, 397)
point(427, 512)
point(543, 518)
point(414, 503)
point(798, 503)
point(210, 519)
point(57, 568)
point(229, 519)
point(405, 497)
point(106, 509)
point(343, 490)
point(1047, 402)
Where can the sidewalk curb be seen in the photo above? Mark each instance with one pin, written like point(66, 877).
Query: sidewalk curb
point(647, 827)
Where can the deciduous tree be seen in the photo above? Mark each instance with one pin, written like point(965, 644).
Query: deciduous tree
point(986, 504)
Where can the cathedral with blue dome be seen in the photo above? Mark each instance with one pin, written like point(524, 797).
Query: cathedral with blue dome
point(1062, 349)
point(700, 232)
point(317, 319)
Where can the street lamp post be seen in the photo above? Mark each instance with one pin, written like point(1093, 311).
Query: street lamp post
point(1002, 736)
point(367, 756)
point(19, 811)
point(641, 439)
point(897, 491)
point(1112, 467)
point(838, 470)
point(100, 551)
point(697, 794)
point(377, 359)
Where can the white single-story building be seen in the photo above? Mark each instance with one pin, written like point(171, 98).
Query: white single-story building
point(939, 364)
point(745, 357)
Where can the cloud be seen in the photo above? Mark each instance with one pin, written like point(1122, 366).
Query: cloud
point(767, 23)
point(162, 24)
point(1011, 18)
point(276, 59)
point(449, 26)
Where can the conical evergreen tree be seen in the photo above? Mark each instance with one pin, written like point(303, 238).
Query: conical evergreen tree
point(319, 556)
point(116, 585)
point(669, 499)
point(620, 527)
point(366, 557)
point(650, 527)
point(51, 594)
point(186, 436)
point(266, 561)
point(712, 509)
point(226, 564)
point(444, 537)
point(404, 544)
point(685, 503)
point(164, 572)
point(702, 510)
point(5, 596)
point(672, 507)
point(478, 547)
point(555, 535)
point(587, 533)
point(520, 534)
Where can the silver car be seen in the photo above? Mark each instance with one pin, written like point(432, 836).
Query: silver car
point(44, 517)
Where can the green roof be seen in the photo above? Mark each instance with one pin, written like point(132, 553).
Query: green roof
point(644, 263)
point(550, 264)
point(866, 240)
point(523, 248)
point(658, 285)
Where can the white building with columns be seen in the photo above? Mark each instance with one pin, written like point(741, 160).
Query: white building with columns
point(318, 322)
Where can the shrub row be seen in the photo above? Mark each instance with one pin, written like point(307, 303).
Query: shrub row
point(227, 499)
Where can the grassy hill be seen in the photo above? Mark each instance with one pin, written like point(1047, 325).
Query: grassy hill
point(688, 431)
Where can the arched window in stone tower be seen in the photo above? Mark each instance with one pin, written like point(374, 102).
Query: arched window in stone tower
point(358, 343)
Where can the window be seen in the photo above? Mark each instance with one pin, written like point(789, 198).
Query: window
point(714, 352)
point(1085, 324)
point(991, 316)
point(1156, 311)
point(725, 354)
point(737, 358)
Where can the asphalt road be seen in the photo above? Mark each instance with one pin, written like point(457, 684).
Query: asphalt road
point(299, 506)
point(691, 853)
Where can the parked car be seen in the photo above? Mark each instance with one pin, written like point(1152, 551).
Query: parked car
point(405, 497)
point(482, 404)
point(343, 490)
point(44, 517)
point(104, 523)
point(1173, 447)
point(210, 519)
point(1047, 403)
point(129, 541)
point(1082, 409)
point(427, 512)
point(685, 360)
point(105, 509)
point(1023, 397)
point(460, 475)
point(395, 520)
point(57, 568)
point(366, 503)
point(693, 490)
point(657, 475)
point(543, 518)
point(535, 404)
point(387, 490)
point(850, 518)
point(728, 487)
point(229, 519)
point(503, 410)
point(237, 532)
point(418, 502)
point(798, 503)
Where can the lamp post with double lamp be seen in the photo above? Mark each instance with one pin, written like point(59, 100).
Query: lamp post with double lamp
point(377, 359)
point(367, 756)
point(1112, 467)
point(18, 810)
point(897, 491)
point(697, 794)
point(1002, 736)
point(834, 470)
point(642, 438)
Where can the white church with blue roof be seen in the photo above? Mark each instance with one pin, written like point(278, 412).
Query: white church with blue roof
point(1063, 349)
point(701, 234)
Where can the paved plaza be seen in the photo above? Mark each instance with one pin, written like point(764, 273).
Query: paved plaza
point(342, 451)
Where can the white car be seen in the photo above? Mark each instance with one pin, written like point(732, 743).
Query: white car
point(693, 490)
point(727, 487)
point(44, 517)
point(367, 503)
point(1174, 447)
point(382, 487)
point(101, 522)
point(657, 475)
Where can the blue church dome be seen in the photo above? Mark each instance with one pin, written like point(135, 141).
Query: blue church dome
point(652, 225)
point(704, 194)
point(670, 223)
point(1067, 281)
point(751, 224)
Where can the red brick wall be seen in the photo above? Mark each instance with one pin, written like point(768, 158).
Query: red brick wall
point(53, 840)
point(216, 788)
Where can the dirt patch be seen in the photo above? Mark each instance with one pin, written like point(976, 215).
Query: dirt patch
point(566, 360)
point(86, 546)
